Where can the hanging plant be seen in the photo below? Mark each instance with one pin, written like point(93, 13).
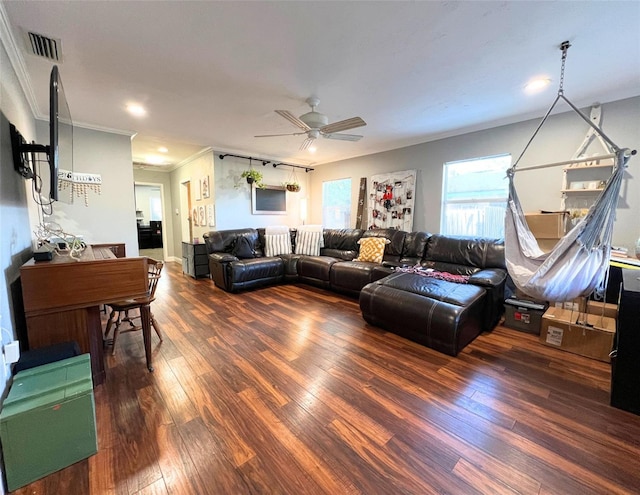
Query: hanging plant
point(252, 176)
point(292, 184)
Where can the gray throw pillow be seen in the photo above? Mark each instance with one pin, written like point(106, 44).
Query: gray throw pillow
point(242, 248)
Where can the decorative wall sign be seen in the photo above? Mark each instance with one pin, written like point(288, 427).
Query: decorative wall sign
point(390, 200)
point(202, 217)
point(79, 183)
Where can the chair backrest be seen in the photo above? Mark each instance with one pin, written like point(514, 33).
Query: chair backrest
point(154, 270)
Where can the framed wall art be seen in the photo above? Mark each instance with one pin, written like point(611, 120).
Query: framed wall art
point(204, 185)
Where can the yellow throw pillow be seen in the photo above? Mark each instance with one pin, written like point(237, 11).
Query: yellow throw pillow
point(372, 249)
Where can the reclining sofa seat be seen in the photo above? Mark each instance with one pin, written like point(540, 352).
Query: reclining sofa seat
point(231, 273)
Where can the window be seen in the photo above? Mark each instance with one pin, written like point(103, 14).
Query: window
point(474, 197)
point(336, 204)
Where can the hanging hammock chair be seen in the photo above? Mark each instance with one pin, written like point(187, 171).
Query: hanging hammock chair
point(578, 264)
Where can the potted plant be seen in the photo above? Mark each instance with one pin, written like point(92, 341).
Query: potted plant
point(252, 176)
point(292, 186)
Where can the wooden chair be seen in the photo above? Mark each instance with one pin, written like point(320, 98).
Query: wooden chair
point(120, 309)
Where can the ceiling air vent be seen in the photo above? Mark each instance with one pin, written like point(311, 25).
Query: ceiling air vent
point(44, 46)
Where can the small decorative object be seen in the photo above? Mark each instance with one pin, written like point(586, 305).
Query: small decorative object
point(202, 219)
point(199, 190)
point(194, 217)
point(638, 248)
point(253, 176)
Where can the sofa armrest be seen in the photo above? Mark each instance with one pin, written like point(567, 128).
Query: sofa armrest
point(222, 257)
point(489, 277)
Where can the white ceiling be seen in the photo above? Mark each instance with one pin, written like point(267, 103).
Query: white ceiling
point(212, 73)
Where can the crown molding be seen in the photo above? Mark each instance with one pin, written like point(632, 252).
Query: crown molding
point(17, 61)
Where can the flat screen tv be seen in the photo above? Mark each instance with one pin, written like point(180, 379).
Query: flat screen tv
point(59, 151)
point(269, 200)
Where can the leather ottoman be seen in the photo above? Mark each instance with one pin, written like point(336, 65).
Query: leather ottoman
point(442, 315)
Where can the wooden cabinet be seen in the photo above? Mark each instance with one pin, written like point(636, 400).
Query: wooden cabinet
point(195, 261)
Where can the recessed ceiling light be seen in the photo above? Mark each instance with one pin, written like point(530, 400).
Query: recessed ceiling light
point(154, 159)
point(536, 85)
point(136, 110)
point(162, 149)
point(312, 149)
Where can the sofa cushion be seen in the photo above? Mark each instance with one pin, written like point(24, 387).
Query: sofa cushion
point(372, 249)
point(308, 242)
point(243, 249)
point(276, 244)
point(394, 248)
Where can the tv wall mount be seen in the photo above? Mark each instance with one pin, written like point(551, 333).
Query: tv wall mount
point(21, 150)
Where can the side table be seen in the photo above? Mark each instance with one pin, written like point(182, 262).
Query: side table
point(195, 261)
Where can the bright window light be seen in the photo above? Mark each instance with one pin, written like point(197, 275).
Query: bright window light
point(474, 197)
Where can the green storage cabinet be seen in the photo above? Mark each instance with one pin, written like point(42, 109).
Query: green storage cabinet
point(48, 420)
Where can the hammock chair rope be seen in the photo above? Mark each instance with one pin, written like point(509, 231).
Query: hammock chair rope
point(578, 264)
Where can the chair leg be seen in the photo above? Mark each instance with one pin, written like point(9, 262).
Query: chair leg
point(156, 327)
point(116, 332)
point(112, 319)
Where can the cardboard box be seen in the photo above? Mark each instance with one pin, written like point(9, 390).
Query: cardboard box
point(547, 225)
point(547, 228)
point(592, 337)
point(602, 309)
point(584, 305)
point(523, 315)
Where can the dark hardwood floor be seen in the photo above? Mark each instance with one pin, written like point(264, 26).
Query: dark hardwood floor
point(286, 390)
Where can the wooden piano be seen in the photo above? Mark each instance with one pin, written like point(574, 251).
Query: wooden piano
point(62, 299)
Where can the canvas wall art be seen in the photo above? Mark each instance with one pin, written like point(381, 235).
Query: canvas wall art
point(390, 200)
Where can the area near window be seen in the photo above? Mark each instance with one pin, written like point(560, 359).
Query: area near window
point(336, 204)
point(474, 196)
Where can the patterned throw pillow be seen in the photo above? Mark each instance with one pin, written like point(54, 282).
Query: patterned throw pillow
point(372, 249)
point(276, 244)
point(308, 242)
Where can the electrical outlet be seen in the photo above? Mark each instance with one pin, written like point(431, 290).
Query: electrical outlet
point(12, 352)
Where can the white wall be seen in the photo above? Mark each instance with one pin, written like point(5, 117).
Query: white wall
point(538, 190)
point(110, 215)
point(233, 194)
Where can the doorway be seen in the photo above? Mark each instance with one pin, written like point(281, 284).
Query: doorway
point(150, 220)
point(186, 222)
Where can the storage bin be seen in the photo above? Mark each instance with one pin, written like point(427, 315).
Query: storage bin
point(48, 420)
point(523, 315)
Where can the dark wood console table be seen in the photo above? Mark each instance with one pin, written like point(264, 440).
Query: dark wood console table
point(62, 298)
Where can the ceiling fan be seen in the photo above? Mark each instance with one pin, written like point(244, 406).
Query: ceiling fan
point(315, 124)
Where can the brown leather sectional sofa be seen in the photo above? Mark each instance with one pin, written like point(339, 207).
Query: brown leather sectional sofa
point(438, 313)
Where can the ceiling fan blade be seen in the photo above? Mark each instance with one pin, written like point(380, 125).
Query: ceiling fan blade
point(306, 143)
point(293, 119)
point(276, 135)
point(343, 125)
point(344, 137)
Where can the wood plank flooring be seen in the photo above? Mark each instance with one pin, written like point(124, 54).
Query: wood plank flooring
point(286, 390)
